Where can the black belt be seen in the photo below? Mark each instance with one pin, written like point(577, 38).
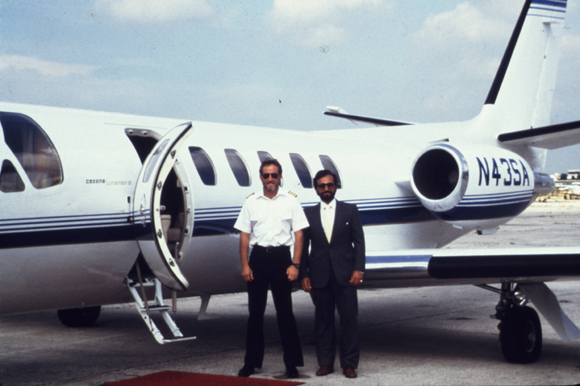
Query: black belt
point(272, 249)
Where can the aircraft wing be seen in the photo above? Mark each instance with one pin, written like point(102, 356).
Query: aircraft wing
point(475, 266)
point(529, 267)
point(547, 137)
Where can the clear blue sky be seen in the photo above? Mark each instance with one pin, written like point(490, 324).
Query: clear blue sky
point(275, 63)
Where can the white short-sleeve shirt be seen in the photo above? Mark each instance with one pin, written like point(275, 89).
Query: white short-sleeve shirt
point(271, 222)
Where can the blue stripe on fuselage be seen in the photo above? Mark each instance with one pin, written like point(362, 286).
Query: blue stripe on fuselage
point(54, 237)
point(19, 233)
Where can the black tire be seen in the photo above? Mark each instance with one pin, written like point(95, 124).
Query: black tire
point(521, 335)
point(79, 317)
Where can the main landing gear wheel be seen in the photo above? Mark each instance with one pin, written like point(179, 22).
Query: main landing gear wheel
point(520, 335)
point(79, 317)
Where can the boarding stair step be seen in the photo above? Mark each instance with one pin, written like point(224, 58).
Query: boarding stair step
point(145, 309)
point(159, 308)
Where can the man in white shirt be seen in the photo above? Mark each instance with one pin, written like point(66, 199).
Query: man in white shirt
point(268, 222)
point(331, 271)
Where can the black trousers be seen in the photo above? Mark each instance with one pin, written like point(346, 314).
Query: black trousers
point(269, 269)
point(345, 301)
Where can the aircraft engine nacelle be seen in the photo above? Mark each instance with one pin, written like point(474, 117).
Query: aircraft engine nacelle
point(475, 187)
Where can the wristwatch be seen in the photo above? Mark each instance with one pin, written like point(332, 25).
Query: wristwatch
point(296, 265)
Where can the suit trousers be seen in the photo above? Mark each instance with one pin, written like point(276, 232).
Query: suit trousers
point(345, 300)
point(269, 270)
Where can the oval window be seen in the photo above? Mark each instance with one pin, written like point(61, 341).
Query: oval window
point(203, 165)
point(302, 170)
point(238, 166)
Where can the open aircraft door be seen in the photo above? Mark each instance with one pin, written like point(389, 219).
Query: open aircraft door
point(163, 208)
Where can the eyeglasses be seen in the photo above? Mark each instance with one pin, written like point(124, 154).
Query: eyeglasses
point(330, 185)
point(267, 175)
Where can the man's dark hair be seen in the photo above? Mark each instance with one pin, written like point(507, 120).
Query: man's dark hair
point(271, 161)
point(323, 173)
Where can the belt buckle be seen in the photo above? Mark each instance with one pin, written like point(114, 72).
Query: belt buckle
point(269, 249)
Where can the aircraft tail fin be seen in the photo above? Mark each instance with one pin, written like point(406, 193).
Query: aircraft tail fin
point(523, 88)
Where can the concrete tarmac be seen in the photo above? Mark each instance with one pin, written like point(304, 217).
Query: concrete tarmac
point(435, 335)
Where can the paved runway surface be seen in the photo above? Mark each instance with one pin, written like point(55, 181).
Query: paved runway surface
point(440, 335)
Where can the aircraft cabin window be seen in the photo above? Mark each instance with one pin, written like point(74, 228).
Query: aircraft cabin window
point(33, 149)
point(329, 164)
point(238, 166)
point(301, 170)
point(153, 161)
point(10, 181)
point(203, 165)
point(264, 155)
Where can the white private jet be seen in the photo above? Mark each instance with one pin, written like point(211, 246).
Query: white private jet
point(97, 206)
point(573, 189)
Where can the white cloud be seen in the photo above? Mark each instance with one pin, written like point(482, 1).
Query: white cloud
point(469, 22)
point(464, 47)
point(316, 22)
point(126, 95)
point(308, 11)
point(43, 67)
point(322, 35)
point(156, 11)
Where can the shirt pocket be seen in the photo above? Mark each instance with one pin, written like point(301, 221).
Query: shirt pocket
point(258, 216)
point(284, 216)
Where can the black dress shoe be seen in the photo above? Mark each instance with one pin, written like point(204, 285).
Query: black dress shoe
point(246, 371)
point(291, 372)
point(324, 370)
point(349, 372)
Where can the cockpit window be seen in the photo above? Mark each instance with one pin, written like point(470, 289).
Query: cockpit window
point(203, 165)
point(328, 164)
point(10, 181)
point(238, 166)
point(301, 170)
point(33, 149)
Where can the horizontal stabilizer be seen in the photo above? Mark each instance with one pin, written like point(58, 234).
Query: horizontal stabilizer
point(547, 137)
point(340, 113)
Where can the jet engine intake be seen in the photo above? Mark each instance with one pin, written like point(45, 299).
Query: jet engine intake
point(440, 177)
point(475, 187)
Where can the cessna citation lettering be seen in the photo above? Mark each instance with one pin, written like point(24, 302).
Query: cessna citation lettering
point(97, 207)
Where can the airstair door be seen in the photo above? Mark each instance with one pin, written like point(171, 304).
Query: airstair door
point(161, 167)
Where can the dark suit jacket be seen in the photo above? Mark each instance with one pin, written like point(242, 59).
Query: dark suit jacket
point(345, 252)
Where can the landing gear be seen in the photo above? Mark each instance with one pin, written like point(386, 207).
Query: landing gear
point(520, 331)
point(79, 317)
point(520, 334)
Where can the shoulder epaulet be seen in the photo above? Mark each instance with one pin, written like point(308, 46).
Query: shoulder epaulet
point(292, 193)
point(250, 196)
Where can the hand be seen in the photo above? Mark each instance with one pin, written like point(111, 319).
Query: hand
point(292, 273)
point(356, 278)
point(306, 284)
point(247, 273)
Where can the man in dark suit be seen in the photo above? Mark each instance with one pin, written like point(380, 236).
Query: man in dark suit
point(331, 271)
